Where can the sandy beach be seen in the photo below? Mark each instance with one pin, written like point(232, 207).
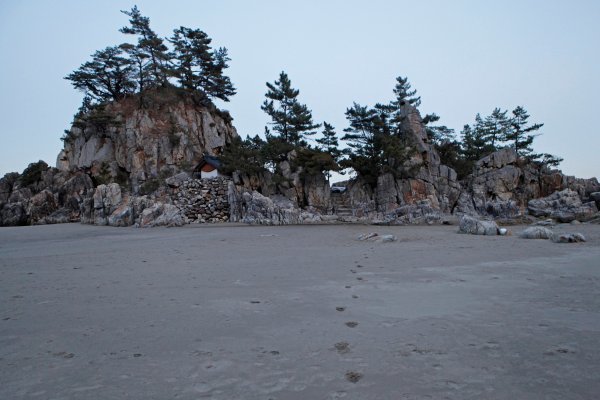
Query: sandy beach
point(296, 312)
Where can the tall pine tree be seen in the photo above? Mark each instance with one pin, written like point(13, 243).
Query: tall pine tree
point(197, 66)
point(496, 127)
point(107, 77)
point(150, 47)
point(291, 120)
point(521, 135)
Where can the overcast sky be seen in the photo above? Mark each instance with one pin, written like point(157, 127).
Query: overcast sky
point(463, 57)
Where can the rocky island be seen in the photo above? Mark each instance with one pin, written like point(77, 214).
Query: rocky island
point(353, 281)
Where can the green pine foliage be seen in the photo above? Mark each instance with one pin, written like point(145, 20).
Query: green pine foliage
point(107, 77)
point(130, 68)
point(150, 47)
point(521, 135)
point(291, 120)
point(375, 146)
point(244, 156)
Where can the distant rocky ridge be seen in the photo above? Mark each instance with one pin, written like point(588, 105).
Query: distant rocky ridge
point(131, 166)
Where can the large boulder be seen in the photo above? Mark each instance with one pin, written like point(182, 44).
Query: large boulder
point(421, 212)
point(161, 214)
point(563, 206)
point(257, 209)
point(537, 232)
point(106, 199)
point(476, 226)
point(41, 206)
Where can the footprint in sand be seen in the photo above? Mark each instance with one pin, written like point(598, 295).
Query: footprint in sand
point(340, 309)
point(351, 324)
point(342, 347)
point(353, 376)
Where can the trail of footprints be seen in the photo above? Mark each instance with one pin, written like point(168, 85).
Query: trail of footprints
point(344, 347)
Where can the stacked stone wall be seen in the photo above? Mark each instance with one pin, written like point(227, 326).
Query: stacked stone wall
point(203, 200)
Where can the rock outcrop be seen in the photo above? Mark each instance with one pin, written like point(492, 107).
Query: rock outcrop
point(132, 144)
point(563, 206)
point(502, 186)
point(130, 163)
point(46, 197)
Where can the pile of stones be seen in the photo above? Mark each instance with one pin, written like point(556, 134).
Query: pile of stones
point(203, 200)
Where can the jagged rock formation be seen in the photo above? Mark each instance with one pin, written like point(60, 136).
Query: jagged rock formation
point(563, 206)
point(121, 166)
point(134, 144)
point(502, 185)
point(425, 189)
point(130, 144)
point(46, 197)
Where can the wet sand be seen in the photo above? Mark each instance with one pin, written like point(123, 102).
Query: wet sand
point(296, 312)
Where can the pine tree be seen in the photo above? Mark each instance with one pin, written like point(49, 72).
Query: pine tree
point(329, 141)
point(197, 66)
point(374, 147)
point(521, 135)
point(245, 156)
point(496, 127)
point(403, 93)
point(217, 84)
point(475, 143)
point(329, 144)
point(150, 46)
point(106, 78)
point(291, 120)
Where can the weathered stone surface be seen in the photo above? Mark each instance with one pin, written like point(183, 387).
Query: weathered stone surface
point(261, 210)
point(475, 226)
point(105, 201)
point(537, 232)
point(202, 200)
point(563, 206)
point(161, 214)
point(421, 212)
point(376, 237)
point(569, 238)
point(41, 205)
point(177, 180)
point(170, 132)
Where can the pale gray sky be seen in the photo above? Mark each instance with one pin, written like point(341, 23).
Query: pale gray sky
point(463, 57)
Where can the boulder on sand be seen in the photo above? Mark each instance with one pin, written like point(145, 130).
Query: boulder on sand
point(475, 226)
point(569, 238)
point(537, 232)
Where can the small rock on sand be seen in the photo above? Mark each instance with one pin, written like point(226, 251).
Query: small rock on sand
point(569, 238)
point(376, 237)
